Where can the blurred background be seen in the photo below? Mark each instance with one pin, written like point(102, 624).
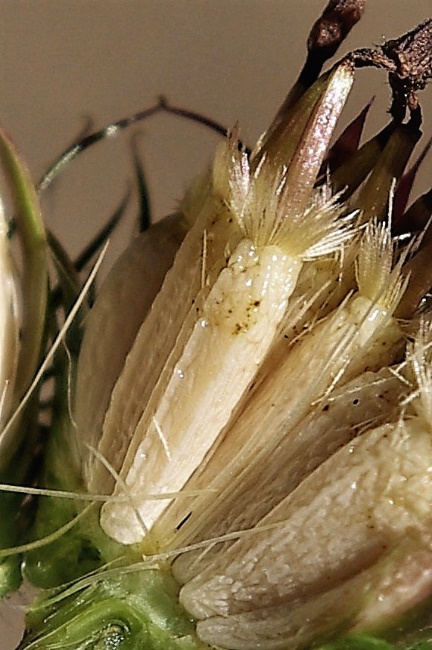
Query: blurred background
point(67, 64)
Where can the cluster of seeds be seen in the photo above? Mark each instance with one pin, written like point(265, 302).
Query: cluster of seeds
point(239, 447)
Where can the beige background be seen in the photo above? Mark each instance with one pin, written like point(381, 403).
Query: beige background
point(62, 61)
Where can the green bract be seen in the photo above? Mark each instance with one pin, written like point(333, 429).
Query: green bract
point(24, 296)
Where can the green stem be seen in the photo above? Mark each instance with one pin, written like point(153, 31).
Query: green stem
point(130, 611)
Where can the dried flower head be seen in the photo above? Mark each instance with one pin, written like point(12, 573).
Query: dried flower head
point(240, 450)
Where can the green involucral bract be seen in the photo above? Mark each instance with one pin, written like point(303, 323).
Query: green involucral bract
point(25, 292)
